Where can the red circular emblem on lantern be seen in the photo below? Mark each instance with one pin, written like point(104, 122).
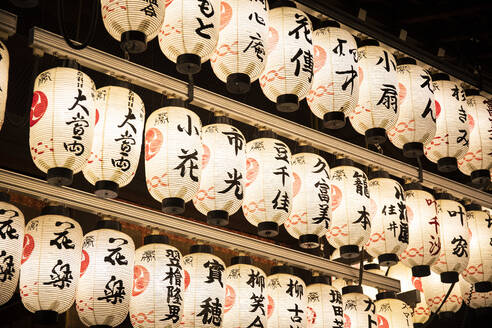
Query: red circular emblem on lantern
point(270, 307)
point(205, 156)
point(417, 283)
point(311, 315)
point(167, 2)
point(153, 143)
point(347, 322)
point(373, 208)
point(187, 279)
point(319, 58)
point(382, 322)
point(84, 263)
point(272, 39)
point(402, 92)
point(97, 116)
point(141, 279)
point(252, 169)
point(361, 75)
point(27, 247)
point(296, 184)
point(471, 122)
point(230, 298)
point(336, 197)
point(225, 14)
point(438, 109)
point(409, 213)
point(38, 107)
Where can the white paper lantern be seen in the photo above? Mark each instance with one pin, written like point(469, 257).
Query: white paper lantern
point(120, 115)
point(133, 22)
point(103, 296)
point(455, 240)
point(223, 173)
point(472, 298)
point(173, 153)
point(451, 140)
point(324, 305)
point(435, 291)
point(205, 290)
point(62, 119)
point(339, 283)
point(240, 56)
point(372, 268)
point(408, 282)
point(416, 123)
point(11, 239)
point(190, 32)
point(288, 74)
point(478, 160)
point(287, 299)
point(424, 238)
point(350, 204)
point(158, 284)
point(335, 88)
point(268, 186)
point(378, 107)
point(50, 264)
point(392, 312)
point(311, 214)
point(421, 312)
point(4, 80)
point(246, 301)
point(359, 310)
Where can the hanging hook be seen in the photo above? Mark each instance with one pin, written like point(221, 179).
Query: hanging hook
point(421, 172)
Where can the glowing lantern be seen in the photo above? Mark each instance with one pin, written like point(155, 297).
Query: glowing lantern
point(450, 142)
point(335, 88)
point(204, 292)
point(4, 81)
point(223, 172)
point(359, 310)
point(245, 302)
point(268, 186)
point(311, 214)
point(50, 264)
point(421, 313)
point(62, 122)
point(474, 299)
point(324, 305)
point(392, 312)
point(287, 299)
point(377, 109)
point(133, 22)
point(190, 33)
point(372, 268)
point(407, 282)
point(289, 68)
point(240, 56)
point(11, 238)
point(416, 123)
point(117, 140)
point(105, 286)
point(173, 153)
point(339, 283)
point(435, 291)
point(350, 204)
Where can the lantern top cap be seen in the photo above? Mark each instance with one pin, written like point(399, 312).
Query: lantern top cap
point(472, 92)
point(473, 207)
point(54, 210)
point(372, 266)
point(287, 269)
point(174, 102)
point(109, 224)
point(329, 23)
point(440, 77)
point(379, 174)
point(282, 3)
point(352, 289)
point(444, 195)
point(413, 186)
point(320, 280)
point(207, 249)
point(266, 134)
point(156, 239)
point(221, 119)
point(4, 197)
point(385, 295)
point(406, 61)
point(368, 42)
point(305, 149)
point(343, 162)
point(241, 259)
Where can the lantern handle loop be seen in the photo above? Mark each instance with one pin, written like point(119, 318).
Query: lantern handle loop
point(92, 28)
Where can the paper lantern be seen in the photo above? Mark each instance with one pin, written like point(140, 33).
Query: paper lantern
point(435, 291)
point(190, 33)
point(115, 153)
point(416, 123)
point(455, 239)
point(11, 238)
point(377, 109)
point(451, 140)
point(62, 119)
point(403, 273)
point(4, 80)
point(268, 186)
point(424, 244)
point(372, 268)
point(389, 222)
point(350, 204)
point(392, 312)
point(421, 313)
point(287, 299)
point(472, 298)
point(105, 286)
point(335, 88)
point(173, 152)
point(359, 310)
point(339, 283)
point(158, 283)
point(478, 161)
point(311, 213)
point(133, 22)
point(324, 305)
point(479, 268)
point(205, 291)
point(245, 303)
point(50, 264)
point(288, 73)
point(223, 171)
point(240, 56)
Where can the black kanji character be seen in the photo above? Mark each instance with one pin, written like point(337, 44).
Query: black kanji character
point(387, 63)
point(455, 213)
point(364, 219)
point(295, 287)
point(7, 268)
point(308, 63)
point(336, 297)
point(80, 97)
point(303, 23)
point(257, 45)
point(173, 314)
point(256, 279)
point(114, 291)
point(115, 256)
point(61, 275)
point(215, 270)
point(234, 181)
point(428, 110)
point(339, 48)
point(349, 80)
point(188, 156)
point(203, 26)
point(235, 139)
point(189, 128)
point(257, 303)
point(461, 246)
point(62, 240)
point(211, 312)
point(296, 311)
point(282, 203)
point(389, 98)
point(282, 171)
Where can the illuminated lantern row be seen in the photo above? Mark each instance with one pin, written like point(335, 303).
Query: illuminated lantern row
point(240, 56)
point(474, 299)
point(335, 88)
point(478, 161)
point(268, 187)
point(435, 291)
point(173, 155)
point(310, 216)
point(377, 109)
point(416, 123)
point(62, 120)
point(324, 305)
point(11, 239)
point(421, 312)
point(392, 312)
point(120, 115)
point(451, 140)
point(359, 310)
point(246, 303)
point(158, 284)
point(204, 290)
point(287, 299)
point(50, 264)
point(350, 204)
point(4, 80)
point(105, 286)
point(289, 70)
point(223, 172)
point(190, 32)
point(133, 22)
point(389, 222)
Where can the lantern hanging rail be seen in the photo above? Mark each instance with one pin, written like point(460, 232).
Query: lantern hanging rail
point(47, 42)
point(8, 24)
point(87, 202)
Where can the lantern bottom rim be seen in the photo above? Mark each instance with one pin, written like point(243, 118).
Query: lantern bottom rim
point(309, 241)
point(413, 149)
point(420, 271)
point(106, 189)
point(334, 120)
point(46, 317)
point(447, 164)
point(483, 286)
point(446, 315)
point(173, 205)
point(388, 259)
point(188, 64)
point(480, 177)
point(287, 103)
point(268, 229)
point(59, 176)
point(218, 218)
point(349, 251)
point(418, 325)
point(134, 42)
point(375, 136)
point(238, 83)
point(449, 277)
